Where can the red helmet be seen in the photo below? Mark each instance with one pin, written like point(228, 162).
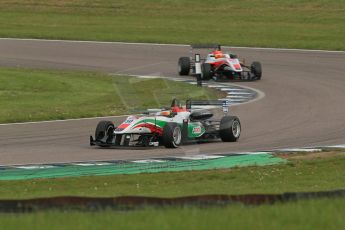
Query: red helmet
point(218, 54)
point(165, 113)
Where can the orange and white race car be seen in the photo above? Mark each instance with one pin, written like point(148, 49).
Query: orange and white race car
point(219, 65)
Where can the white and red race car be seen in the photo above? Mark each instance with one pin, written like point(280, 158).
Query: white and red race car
point(170, 128)
point(218, 65)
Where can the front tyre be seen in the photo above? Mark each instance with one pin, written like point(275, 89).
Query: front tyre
point(230, 129)
point(172, 135)
point(183, 66)
point(256, 70)
point(206, 70)
point(104, 132)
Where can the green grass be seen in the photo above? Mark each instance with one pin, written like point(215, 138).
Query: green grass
point(299, 175)
point(313, 214)
point(317, 24)
point(34, 95)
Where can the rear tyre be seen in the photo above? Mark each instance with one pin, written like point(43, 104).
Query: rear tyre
point(230, 129)
point(104, 132)
point(183, 66)
point(206, 71)
point(172, 135)
point(256, 70)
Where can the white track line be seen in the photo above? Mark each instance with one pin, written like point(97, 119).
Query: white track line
point(238, 96)
point(240, 93)
point(231, 89)
point(165, 44)
point(336, 146)
point(92, 164)
point(93, 42)
point(199, 157)
point(254, 153)
point(285, 49)
point(298, 150)
point(35, 167)
point(148, 161)
point(76, 119)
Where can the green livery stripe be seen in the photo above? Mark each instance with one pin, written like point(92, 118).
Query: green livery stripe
point(156, 122)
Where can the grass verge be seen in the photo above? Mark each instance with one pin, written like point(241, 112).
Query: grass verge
point(34, 95)
point(311, 214)
point(272, 23)
point(309, 174)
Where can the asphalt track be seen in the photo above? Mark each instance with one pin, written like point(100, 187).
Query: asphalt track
point(304, 101)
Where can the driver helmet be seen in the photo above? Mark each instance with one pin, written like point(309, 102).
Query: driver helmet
point(218, 54)
point(165, 113)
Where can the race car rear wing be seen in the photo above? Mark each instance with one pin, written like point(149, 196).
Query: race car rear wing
point(224, 103)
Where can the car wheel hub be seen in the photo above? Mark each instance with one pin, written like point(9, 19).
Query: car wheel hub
point(236, 129)
point(177, 135)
